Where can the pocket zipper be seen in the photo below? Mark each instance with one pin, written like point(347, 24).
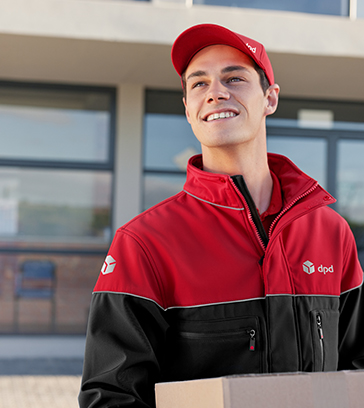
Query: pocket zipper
point(252, 339)
point(321, 338)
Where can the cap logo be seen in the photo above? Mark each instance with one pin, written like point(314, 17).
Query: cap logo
point(251, 48)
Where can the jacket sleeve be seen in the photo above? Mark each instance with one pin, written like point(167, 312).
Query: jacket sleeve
point(126, 329)
point(351, 324)
point(123, 353)
point(351, 330)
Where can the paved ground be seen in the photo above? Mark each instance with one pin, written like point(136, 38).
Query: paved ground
point(40, 371)
point(39, 391)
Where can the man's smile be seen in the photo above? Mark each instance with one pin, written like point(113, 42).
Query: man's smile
point(220, 115)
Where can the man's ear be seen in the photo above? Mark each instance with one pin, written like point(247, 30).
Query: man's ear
point(186, 110)
point(272, 99)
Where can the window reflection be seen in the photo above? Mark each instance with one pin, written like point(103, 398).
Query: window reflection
point(75, 277)
point(334, 7)
point(360, 9)
point(351, 187)
point(350, 180)
point(169, 143)
point(309, 154)
point(55, 205)
point(60, 125)
point(50, 134)
point(161, 186)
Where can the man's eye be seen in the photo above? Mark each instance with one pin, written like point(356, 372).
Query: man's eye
point(198, 84)
point(234, 79)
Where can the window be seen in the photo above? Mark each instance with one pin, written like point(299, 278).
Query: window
point(56, 175)
point(54, 205)
point(331, 7)
point(350, 192)
point(309, 154)
point(55, 164)
point(360, 9)
point(168, 144)
point(59, 133)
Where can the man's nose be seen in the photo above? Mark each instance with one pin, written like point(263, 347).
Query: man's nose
point(217, 92)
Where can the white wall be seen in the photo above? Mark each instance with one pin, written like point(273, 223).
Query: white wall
point(111, 42)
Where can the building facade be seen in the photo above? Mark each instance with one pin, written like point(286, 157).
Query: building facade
point(92, 128)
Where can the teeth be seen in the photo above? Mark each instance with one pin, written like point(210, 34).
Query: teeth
point(221, 115)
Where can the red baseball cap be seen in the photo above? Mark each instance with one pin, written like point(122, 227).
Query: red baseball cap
point(195, 38)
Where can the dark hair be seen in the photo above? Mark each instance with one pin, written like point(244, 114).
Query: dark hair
point(264, 83)
point(183, 79)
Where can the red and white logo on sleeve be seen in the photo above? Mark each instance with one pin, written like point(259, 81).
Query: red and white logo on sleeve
point(108, 265)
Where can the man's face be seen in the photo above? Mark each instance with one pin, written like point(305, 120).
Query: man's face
point(225, 103)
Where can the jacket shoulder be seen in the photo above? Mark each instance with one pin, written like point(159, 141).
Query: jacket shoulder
point(162, 209)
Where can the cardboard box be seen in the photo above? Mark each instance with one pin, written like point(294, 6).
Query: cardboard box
point(342, 389)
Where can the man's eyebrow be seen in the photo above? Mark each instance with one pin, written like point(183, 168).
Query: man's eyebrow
point(230, 68)
point(196, 74)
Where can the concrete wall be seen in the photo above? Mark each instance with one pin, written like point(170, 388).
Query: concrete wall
point(112, 42)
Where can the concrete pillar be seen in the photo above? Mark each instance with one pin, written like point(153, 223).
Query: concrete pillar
point(128, 154)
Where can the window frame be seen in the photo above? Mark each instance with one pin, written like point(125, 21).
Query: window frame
point(332, 137)
point(107, 166)
point(346, 10)
point(63, 164)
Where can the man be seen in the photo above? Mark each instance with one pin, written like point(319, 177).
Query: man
point(247, 270)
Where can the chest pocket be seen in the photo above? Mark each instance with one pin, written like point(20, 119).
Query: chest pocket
point(205, 349)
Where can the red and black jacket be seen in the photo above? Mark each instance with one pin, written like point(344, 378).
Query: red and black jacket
point(192, 289)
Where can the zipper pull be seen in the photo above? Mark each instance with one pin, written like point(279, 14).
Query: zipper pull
point(319, 326)
point(252, 340)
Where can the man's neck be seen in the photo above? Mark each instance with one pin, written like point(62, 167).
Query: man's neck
point(254, 169)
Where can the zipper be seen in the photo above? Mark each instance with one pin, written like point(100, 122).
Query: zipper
point(253, 216)
point(237, 333)
point(249, 332)
point(252, 339)
point(321, 338)
point(254, 219)
point(290, 205)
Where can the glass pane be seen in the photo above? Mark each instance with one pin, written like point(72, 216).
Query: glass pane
point(332, 7)
point(308, 154)
point(161, 186)
point(351, 187)
point(342, 112)
point(63, 309)
point(169, 142)
point(48, 206)
point(54, 125)
point(360, 9)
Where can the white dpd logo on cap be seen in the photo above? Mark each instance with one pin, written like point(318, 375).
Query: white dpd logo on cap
point(251, 48)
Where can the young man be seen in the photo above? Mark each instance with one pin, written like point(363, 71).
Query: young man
point(247, 270)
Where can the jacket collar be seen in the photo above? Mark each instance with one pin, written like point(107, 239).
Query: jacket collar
point(219, 189)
